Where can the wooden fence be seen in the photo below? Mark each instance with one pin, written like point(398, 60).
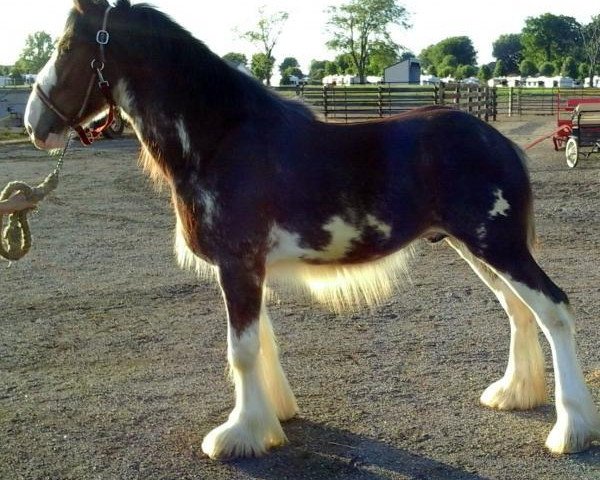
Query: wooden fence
point(361, 102)
point(534, 101)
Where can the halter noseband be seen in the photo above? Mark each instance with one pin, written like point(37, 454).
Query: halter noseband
point(88, 135)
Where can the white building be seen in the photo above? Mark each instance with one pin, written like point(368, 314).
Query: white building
point(550, 82)
point(596, 81)
point(509, 81)
point(340, 80)
point(429, 80)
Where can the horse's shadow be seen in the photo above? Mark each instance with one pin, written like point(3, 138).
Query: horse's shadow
point(317, 451)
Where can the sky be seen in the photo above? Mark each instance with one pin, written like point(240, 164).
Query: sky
point(304, 35)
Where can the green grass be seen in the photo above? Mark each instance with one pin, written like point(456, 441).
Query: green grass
point(12, 135)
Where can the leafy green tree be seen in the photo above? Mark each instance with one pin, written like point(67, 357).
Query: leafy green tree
point(509, 49)
point(382, 56)
point(288, 73)
point(266, 34)
point(344, 64)
point(38, 50)
point(569, 68)
point(332, 68)
point(547, 69)
point(550, 37)
point(528, 68)
point(484, 74)
point(288, 62)
point(590, 35)
point(500, 69)
point(450, 52)
point(236, 58)
point(356, 27)
point(582, 71)
point(261, 66)
point(16, 75)
point(465, 71)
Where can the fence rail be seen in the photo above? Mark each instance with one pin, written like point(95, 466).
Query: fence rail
point(358, 103)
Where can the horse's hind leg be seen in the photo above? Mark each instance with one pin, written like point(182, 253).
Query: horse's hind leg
point(577, 422)
point(253, 426)
point(523, 385)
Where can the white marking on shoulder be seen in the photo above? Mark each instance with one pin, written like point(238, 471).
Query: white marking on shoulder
point(501, 206)
point(184, 138)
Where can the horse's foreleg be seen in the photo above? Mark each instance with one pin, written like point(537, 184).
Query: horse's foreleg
point(253, 426)
point(523, 385)
point(275, 382)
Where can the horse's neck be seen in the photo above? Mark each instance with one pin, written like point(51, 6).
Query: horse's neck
point(177, 119)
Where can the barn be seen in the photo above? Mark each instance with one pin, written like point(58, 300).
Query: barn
point(407, 71)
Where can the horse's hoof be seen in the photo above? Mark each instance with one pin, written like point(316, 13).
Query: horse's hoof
point(514, 395)
point(236, 439)
point(572, 436)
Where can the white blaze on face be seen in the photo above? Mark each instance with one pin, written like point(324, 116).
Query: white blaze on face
point(46, 80)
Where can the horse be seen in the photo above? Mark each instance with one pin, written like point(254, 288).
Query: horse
point(264, 189)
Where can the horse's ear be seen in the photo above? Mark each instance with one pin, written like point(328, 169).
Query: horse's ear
point(85, 6)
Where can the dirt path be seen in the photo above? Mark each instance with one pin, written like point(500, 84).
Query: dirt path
point(112, 359)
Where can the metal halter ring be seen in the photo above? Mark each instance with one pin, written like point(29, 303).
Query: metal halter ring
point(97, 65)
point(102, 37)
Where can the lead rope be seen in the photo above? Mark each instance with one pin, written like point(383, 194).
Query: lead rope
point(15, 239)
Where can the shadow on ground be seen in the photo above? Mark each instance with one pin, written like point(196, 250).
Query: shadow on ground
point(320, 451)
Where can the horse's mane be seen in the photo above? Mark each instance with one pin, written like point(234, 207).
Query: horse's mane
point(192, 67)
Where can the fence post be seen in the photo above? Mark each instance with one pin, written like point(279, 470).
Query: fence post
point(442, 94)
point(510, 101)
point(325, 113)
point(380, 100)
point(457, 97)
point(494, 103)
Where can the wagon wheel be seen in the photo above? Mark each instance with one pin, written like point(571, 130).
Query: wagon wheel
point(572, 152)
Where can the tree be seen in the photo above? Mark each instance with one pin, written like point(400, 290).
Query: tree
point(484, 74)
point(550, 37)
point(288, 68)
point(262, 66)
point(358, 26)
point(267, 32)
point(569, 68)
point(500, 69)
point(528, 68)
point(509, 49)
point(465, 71)
point(288, 62)
point(590, 34)
point(547, 69)
point(36, 53)
point(450, 52)
point(382, 56)
point(236, 58)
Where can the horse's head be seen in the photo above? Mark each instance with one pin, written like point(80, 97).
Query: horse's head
point(67, 93)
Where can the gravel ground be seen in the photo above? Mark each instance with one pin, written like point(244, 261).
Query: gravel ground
point(112, 359)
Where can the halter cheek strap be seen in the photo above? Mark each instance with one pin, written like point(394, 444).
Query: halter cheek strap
point(88, 135)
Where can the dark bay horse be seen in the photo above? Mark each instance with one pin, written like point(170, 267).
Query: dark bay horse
point(261, 187)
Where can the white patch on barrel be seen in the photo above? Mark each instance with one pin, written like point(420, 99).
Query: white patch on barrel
point(501, 206)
